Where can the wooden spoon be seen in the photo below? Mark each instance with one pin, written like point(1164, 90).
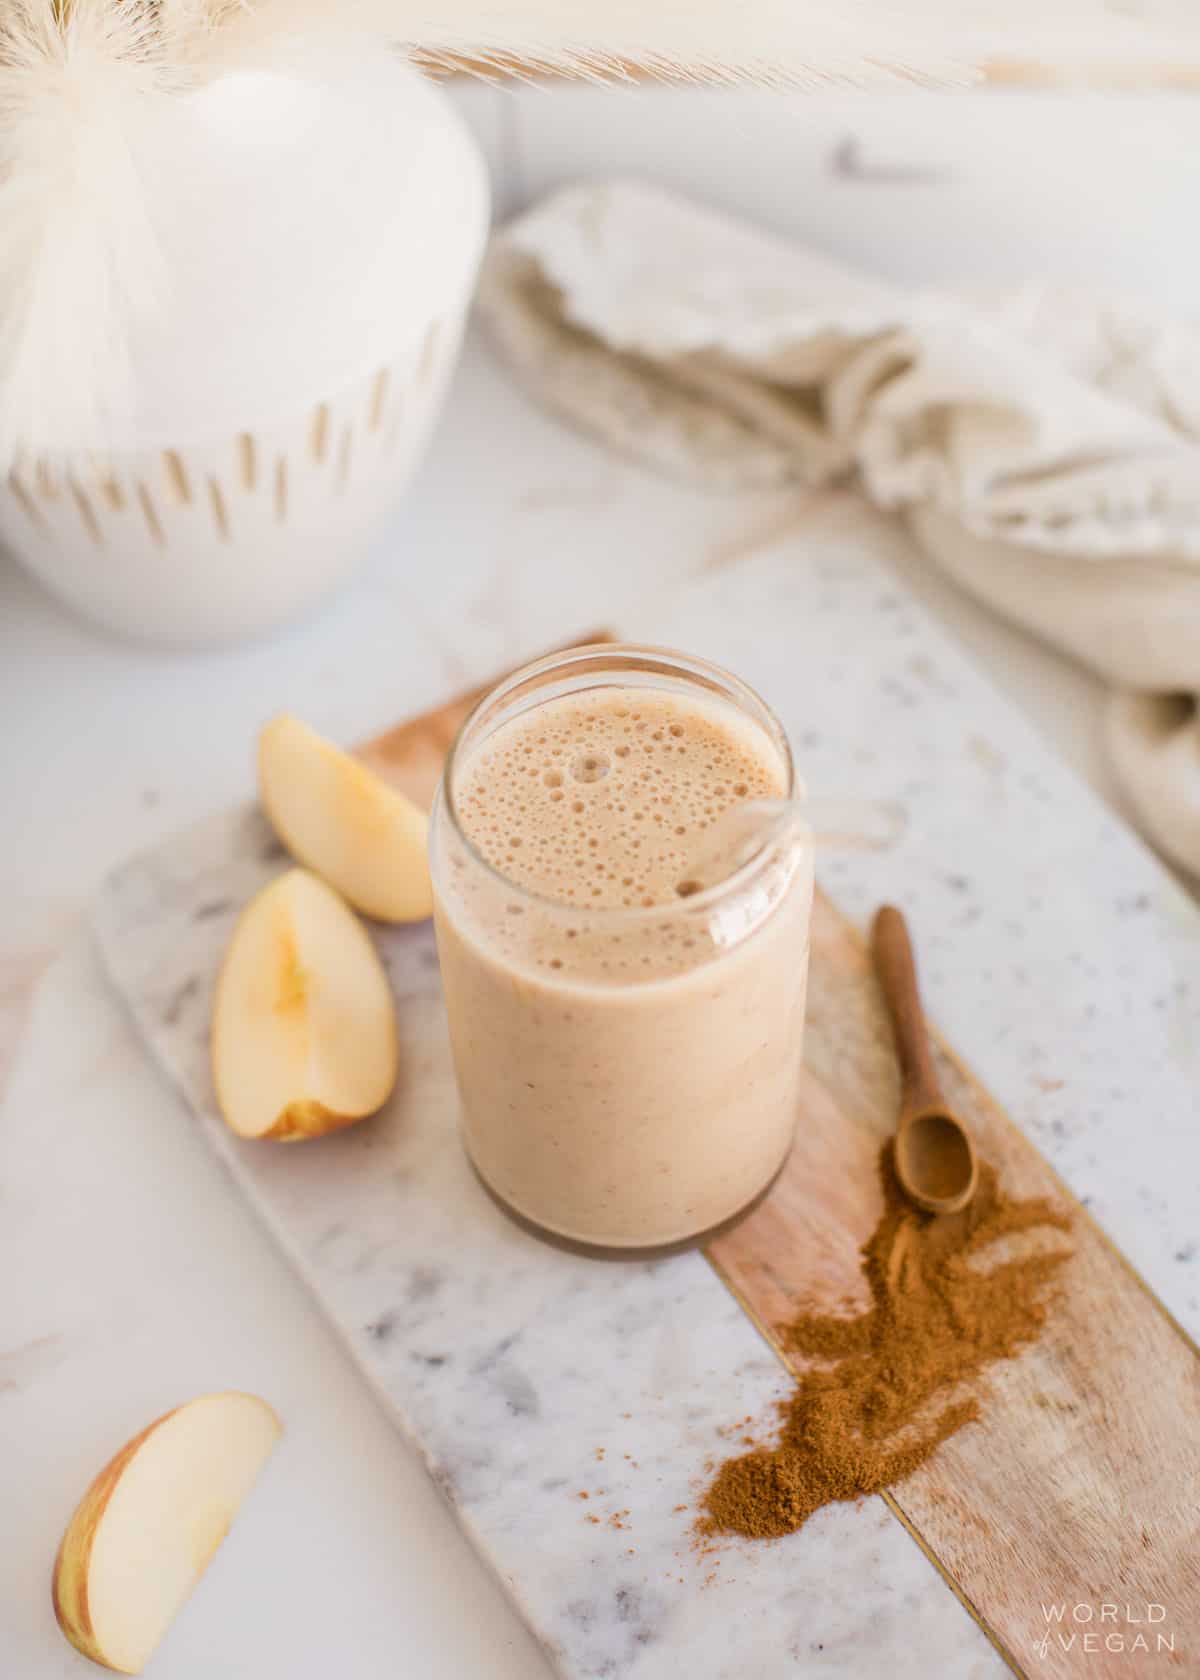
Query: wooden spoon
point(935, 1157)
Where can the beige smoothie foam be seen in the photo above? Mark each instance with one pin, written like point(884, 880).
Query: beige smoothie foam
point(603, 801)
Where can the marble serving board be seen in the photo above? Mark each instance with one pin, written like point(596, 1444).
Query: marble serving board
point(568, 1407)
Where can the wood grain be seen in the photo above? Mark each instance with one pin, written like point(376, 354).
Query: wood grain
point(1081, 1483)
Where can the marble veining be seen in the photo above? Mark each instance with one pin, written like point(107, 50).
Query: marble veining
point(568, 1407)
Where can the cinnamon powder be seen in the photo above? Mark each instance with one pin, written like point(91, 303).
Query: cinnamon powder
point(889, 1385)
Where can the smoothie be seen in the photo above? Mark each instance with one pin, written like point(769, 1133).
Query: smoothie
point(627, 1040)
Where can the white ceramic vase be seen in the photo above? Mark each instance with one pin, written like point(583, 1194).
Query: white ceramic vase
point(321, 244)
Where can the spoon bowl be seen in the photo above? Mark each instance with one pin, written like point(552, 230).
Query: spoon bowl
point(935, 1161)
point(934, 1156)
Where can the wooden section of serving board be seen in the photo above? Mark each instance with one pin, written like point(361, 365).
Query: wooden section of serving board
point(1081, 1486)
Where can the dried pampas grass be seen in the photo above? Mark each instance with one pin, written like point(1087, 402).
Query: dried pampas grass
point(83, 83)
point(77, 256)
point(766, 42)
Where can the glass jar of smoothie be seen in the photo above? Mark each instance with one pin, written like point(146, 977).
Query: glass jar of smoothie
point(626, 1010)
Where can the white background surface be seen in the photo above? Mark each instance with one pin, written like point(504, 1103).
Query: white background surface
point(347, 1564)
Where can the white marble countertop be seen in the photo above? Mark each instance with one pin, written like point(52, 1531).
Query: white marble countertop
point(129, 1296)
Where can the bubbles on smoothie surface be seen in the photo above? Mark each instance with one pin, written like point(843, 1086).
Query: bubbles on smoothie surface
point(602, 799)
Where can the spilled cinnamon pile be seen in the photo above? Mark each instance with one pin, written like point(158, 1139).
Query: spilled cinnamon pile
point(864, 1417)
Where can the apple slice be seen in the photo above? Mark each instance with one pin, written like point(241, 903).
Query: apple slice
point(144, 1532)
point(339, 819)
point(304, 1028)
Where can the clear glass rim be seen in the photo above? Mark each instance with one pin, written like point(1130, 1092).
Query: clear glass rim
point(647, 658)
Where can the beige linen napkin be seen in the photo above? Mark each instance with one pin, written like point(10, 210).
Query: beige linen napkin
point(1043, 447)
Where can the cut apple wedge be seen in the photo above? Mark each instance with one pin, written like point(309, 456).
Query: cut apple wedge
point(304, 1027)
point(341, 821)
point(145, 1530)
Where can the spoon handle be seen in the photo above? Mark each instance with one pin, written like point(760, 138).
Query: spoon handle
point(896, 967)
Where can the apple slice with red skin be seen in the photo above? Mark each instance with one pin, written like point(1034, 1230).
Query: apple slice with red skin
point(147, 1527)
